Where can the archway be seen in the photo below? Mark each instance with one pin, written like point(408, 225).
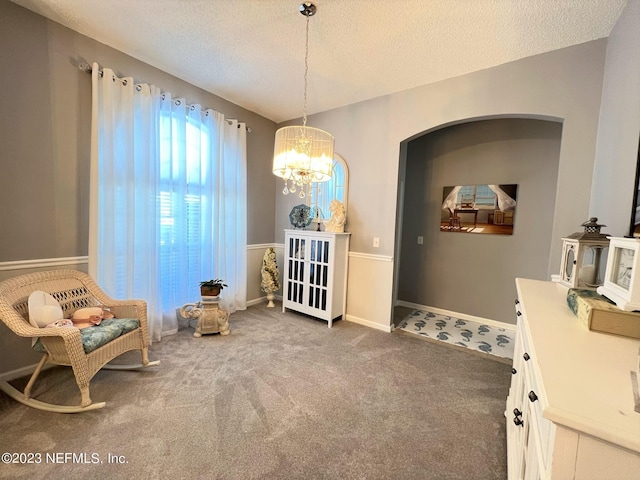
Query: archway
point(460, 273)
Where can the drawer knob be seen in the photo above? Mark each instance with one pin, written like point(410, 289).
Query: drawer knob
point(518, 421)
point(513, 371)
point(517, 412)
point(532, 396)
point(526, 357)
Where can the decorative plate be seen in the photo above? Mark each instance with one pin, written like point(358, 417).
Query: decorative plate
point(300, 216)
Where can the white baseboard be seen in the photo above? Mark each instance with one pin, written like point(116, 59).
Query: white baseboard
point(22, 372)
point(462, 316)
point(259, 300)
point(368, 323)
point(347, 317)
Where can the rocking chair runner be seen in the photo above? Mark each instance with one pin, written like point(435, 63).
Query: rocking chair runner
point(63, 346)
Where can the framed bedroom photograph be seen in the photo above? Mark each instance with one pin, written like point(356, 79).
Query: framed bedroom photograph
point(488, 209)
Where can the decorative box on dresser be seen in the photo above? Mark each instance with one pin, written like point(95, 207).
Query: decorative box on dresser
point(570, 410)
point(315, 273)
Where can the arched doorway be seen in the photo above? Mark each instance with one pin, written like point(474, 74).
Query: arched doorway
point(474, 274)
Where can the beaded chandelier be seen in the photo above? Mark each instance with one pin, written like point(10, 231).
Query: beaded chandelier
point(303, 155)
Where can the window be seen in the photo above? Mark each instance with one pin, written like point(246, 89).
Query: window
point(336, 188)
point(169, 203)
point(182, 202)
point(480, 196)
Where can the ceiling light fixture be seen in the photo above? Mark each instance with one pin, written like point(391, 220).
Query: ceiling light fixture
point(303, 155)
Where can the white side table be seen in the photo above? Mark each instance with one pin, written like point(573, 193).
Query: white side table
point(210, 318)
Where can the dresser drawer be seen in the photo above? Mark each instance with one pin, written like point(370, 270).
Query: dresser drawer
point(541, 428)
point(530, 393)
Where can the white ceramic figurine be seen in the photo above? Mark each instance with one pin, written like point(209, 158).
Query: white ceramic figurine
point(338, 217)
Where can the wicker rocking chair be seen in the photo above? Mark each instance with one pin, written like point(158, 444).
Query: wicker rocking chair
point(64, 346)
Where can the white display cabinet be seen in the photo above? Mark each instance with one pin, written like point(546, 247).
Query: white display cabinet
point(315, 273)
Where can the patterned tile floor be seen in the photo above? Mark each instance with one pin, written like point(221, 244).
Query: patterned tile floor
point(464, 333)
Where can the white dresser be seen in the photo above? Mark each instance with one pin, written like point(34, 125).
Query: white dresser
point(570, 410)
point(315, 273)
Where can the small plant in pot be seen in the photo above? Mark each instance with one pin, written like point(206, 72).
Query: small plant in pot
point(211, 288)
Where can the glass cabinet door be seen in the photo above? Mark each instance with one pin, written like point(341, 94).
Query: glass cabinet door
point(318, 274)
point(296, 270)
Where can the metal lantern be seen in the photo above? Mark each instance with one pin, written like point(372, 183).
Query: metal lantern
point(583, 263)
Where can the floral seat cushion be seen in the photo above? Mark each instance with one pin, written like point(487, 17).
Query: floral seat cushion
point(98, 335)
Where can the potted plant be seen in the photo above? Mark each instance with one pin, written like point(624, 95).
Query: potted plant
point(211, 288)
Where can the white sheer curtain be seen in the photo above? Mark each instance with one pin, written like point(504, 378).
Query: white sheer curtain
point(168, 199)
point(450, 201)
point(505, 202)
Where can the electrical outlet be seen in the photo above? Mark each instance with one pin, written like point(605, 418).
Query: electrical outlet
point(376, 242)
point(420, 240)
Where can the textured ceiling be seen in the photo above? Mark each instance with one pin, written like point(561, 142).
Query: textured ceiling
point(251, 52)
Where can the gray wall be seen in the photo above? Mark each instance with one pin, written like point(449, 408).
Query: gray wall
point(561, 86)
point(466, 272)
point(45, 136)
point(45, 139)
point(619, 125)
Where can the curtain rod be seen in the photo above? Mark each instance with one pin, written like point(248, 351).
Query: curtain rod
point(85, 67)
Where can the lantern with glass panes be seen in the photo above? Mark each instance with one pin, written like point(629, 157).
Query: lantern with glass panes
point(584, 257)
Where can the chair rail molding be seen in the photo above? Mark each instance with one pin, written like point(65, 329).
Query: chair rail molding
point(371, 256)
point(43, 263)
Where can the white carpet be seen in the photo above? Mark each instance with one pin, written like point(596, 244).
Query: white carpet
point(464, 333)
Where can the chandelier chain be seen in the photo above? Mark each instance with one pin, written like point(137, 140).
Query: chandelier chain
point(303, 155)
point(306, 71)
